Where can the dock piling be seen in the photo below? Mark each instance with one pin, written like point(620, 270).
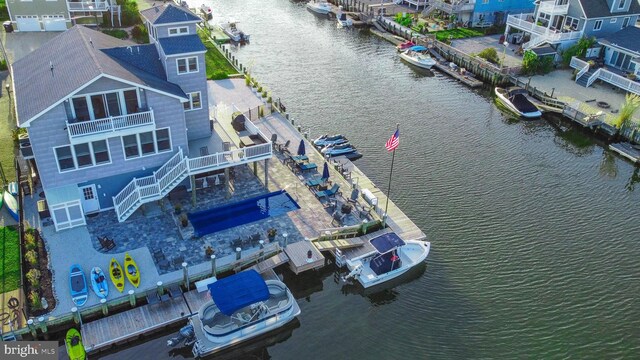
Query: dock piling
point(160, 288)
point(43, 324)
point(105, 308)
point(238, 253)
point(32, 328)
point(213, 266)
point(132, 298)
point(76, 315)
point(185, 272)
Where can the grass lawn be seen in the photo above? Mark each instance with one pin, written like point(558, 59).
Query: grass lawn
point(4, 13)
point(9, 259)
point(218, 67)
point(7, 125)
point(460, 33)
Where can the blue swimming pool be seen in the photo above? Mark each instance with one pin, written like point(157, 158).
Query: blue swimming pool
point(243, 212)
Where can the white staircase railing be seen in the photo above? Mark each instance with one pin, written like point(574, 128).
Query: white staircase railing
point(154, 187)
point(593, 77)
point(579, 64)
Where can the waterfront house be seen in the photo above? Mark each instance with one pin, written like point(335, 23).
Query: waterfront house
point(560, 23)
point(480, 13)
point(618, 64)
point(56, 15)
point(113, 126)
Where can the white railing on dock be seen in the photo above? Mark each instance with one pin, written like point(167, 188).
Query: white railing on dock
point(176, 169)
point(110, 125)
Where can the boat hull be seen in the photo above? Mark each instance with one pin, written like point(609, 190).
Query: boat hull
point(505, 101)
point(76, 350)
point(12, 205)
point(117, 280)
point(318, 9)
point(415, 62)
point(368, 280)
point(78, 285)
point(131, 270)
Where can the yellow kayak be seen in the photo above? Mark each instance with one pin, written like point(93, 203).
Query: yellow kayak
point(115, 271)
point(133, 274)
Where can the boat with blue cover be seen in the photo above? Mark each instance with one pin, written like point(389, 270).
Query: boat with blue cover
point(389, 258)
point(418, 56)
point(78, 285)
point(244, 306)
point(326, 140)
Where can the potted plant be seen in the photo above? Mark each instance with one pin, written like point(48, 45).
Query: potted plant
point(271, 234)
point(178, 209)
point(209, 251)
point(183, 220)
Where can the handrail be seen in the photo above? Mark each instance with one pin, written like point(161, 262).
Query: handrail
point(620, 81)
point(522, 21)
point(110, 124)
point(88, 5)
point(593, 77)
point(578, 63)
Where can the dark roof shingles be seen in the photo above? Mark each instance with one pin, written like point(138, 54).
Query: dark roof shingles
point(626, 38)
point(600, 8)
point(181, 44)
point(168, 13)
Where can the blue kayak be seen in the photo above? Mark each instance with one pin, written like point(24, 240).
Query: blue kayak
point(78, 285)
point(99, 283)
point(12, 205)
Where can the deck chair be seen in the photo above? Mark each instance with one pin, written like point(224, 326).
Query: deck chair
point(106, 243)
point(328, 193)
point(316, 182)
point(152, 297)
point(285, 147)
point(309, 166)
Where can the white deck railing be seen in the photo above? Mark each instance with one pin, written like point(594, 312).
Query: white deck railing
point(110, 124)
point(619, 81)
point(458, 6)
point(88, 5)
point(176, 169)
point(579, 64)
point(524, 22)
point(550, 7)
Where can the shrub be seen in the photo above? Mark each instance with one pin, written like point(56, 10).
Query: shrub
point(490, 54)
point(140, 34)
point(404, 20)
point(247, 80)
point(130, 13)
point(32, 257)
point(117, 33)
point(578, 49)
point(269, 100)
point(533, 64)
point(34, 300)
point(264, 94)
point(30, 241)
point(3, 65)
point(33, 277)
point(4, 12)
point(259, 89)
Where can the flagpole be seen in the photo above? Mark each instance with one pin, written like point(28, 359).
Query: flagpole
point(393, 157)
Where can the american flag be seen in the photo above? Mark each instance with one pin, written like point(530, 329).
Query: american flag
point(394, 141)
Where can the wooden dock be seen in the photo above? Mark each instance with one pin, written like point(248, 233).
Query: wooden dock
point(298, 256)
point(443, 65)
point(270, 263)
point(123, 326)
point(328, 245)
point(627, 151)
point(366, 245)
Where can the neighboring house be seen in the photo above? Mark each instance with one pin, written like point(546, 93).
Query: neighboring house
point(481, 12)
point(54, 15)
point(113, 125)
point(561, 23)
point(621, 61)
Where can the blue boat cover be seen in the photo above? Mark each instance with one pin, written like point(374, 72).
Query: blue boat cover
point(237, 291)
point(418, 48)
point(387, 242)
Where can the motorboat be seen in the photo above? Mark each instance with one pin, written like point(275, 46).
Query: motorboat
point(337, 142)
point(405, 45)
point(326, 140)
point(243, 307)
point(338, 150)
point(231, 29)
point(206, 11)
point(319, 6)
point(515, 98)
point(418, 56)
point(342, 19)
point(389, 258)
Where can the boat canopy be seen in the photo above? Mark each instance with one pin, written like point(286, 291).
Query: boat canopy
point(418, 48)
point(237, 291)
point(387, 242)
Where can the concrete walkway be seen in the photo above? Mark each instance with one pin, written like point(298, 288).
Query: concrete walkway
point(477, 44)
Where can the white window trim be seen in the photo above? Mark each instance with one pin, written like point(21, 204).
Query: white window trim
point(187, 63)
point(87, 96)
point(190, 102)
point(74, 158)
point(622, 4)
point(627, 19)
point(155, 143)
point(178, 30)
point(595, 24)
point(613, 20)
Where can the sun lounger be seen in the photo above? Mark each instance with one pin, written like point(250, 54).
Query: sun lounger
point(309, 166)
point(328, 193)
point(316, 182)
point(299, 158)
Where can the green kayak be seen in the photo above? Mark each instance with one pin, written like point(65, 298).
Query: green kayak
point(75, 349)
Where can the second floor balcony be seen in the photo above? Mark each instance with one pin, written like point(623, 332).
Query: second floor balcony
point(90, 130)
point(554, 7)
point(88, 5)
point(525, 22)
point(455, 6)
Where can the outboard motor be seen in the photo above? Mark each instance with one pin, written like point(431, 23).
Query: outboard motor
point(185, 334)
point(355, 272)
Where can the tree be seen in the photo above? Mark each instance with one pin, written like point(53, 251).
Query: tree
point(624, 118)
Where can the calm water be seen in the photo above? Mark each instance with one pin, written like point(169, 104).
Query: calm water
point(534, 228)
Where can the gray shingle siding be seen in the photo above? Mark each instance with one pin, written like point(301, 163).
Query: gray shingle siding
point(163, 30)
point(104, 85)
point(608, 27)
point(49, 131)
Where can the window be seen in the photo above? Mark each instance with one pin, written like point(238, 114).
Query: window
point(613, 20)
point(82, 155)
point(622, 4)
point(131, 101)
point(178, 31)
point(100, 106)
point(572, 23)
point(597, 25)
point(187, 65)
point(194, 102)
point(147, 143)
point(81, 108)
point(625, 22)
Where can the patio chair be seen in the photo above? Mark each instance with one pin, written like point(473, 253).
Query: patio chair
point(152, 297)
point(164, 264)
point(158, 254)
point(237, 243)
point(328, 193)
point(106, 244)
point(284, 148)
point(255, 239)
point(309, 166)
point(178, 260)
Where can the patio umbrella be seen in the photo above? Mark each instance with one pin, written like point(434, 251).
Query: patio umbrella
point(325, 171)
point(301, 148)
